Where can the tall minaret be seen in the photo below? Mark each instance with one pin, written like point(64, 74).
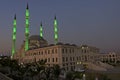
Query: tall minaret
point(55, 30)
point(27, 29)
point(13, 37)
point(41, 31)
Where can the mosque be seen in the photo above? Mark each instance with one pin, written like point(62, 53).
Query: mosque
point(67, 56)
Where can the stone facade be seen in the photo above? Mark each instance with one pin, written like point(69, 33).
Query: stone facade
point(67, 56)
point(110, 57)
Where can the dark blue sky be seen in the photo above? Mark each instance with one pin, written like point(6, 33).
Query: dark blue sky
point(91, 22)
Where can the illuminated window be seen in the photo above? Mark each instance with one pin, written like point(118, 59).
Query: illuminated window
point(77, 62)
point(82, 47)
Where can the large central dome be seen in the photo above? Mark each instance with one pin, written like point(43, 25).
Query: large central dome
point(36, 37)
point(35, 41)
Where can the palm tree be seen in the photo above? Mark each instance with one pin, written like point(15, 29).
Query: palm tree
point(56, 71)
point(69, 76)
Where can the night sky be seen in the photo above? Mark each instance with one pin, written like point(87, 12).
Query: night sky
point(92, 22)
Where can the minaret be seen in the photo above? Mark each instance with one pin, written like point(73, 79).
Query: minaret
point(41, 31)
point(27, 29)
point(13, 37)
point(55, 30)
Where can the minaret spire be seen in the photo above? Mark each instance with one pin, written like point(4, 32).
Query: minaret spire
point(55, 30)
point(14, 36)
point(27, 6)
point(41, 30)
point(27, 29)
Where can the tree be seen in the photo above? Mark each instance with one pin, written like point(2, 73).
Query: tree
point(56, 71)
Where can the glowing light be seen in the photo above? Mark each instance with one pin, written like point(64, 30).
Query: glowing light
point(55, 31)
point(55, 22)
point(27, 21)
point(14, 22)
point(26, 46)
point(27, 12)
point(82, 47)
point(41, 31)
point(80, 62)
point(27, 30)
point(14, 30)
point(56, 36)
point(14, 36)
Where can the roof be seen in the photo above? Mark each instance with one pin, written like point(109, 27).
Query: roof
point(36, 37)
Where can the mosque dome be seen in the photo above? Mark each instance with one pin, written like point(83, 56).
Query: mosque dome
point(35, 41)
point(36, 37)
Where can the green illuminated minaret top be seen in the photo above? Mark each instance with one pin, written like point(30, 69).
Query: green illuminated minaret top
point(27, 29)
point(55, 30)
point(41, 31)
point(14, 36)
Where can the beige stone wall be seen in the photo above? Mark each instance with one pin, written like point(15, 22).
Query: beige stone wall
point(110, 57)
point(66, 56)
